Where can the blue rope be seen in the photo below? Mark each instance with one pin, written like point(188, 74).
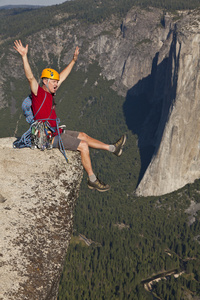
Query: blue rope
point(61, 146)
point(25, 140)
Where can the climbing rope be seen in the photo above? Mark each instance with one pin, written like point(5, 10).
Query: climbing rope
point(26, 138)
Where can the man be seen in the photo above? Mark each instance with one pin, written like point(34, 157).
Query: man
point(43, 107)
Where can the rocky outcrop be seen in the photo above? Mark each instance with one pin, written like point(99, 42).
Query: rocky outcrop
point(38, 191)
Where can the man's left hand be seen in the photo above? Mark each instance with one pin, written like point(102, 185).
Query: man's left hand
point(76, 53)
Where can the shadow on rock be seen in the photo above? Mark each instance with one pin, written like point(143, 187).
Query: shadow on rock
point(149, 103)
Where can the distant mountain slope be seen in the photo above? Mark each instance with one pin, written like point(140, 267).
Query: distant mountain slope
point(87, 11)
point(19, 6)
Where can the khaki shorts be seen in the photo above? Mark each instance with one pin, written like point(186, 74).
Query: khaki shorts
point(69, 139)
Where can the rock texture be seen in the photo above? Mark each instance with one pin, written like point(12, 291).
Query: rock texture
point(38, 191)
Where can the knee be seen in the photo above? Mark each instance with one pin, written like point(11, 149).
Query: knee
point(83, 136)
point(83, 146)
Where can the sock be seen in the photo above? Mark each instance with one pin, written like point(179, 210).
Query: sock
point(92, 178)
point(111, 148)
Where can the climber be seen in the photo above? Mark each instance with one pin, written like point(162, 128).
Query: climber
point(72, 140)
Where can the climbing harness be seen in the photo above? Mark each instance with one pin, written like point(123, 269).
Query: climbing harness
point(40, 134)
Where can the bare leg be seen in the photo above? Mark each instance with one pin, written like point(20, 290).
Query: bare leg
point(93, 143)
point(93, 181)
point(85, 157)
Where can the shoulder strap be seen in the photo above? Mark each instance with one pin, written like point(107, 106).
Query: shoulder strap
point(41, 105)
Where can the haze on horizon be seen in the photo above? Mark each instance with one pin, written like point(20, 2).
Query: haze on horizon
point(28, 2)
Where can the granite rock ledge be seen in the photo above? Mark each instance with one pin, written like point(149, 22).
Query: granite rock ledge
point(38, 192)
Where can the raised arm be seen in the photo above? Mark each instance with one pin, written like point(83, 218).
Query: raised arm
point(64, 74)
point(28, 72)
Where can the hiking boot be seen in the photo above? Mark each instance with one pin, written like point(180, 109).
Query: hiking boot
point(98, 185)
point(119, 145)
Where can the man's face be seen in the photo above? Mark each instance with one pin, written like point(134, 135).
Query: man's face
point(52, 84)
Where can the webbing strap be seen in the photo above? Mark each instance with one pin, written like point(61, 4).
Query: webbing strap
point(61, 146)
point(40, 106)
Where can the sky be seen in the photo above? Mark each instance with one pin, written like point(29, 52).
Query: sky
point(30, 2)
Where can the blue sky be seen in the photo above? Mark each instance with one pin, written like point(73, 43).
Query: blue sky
point(30, 2)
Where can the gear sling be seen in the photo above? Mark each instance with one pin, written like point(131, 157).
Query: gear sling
point(40, 133)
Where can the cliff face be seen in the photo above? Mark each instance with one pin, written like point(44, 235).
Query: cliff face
point(154, 60)
point(38, 191)
point(176, 159)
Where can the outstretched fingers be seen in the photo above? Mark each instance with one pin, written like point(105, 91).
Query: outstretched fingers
point(76, 53)
point(20, 48)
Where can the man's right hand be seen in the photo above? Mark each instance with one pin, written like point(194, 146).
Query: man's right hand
point(20, 48)
point(28, 72)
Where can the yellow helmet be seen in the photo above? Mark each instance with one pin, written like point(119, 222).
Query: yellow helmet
point(50, 73)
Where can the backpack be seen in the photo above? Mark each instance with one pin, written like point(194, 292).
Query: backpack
point(27, 109)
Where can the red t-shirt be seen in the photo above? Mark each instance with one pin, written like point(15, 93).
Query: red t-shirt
point(47, 110)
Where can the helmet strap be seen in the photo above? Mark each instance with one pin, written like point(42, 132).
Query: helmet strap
point(47, 86)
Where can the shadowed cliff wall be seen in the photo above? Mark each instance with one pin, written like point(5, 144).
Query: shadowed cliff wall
point(176, 157)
